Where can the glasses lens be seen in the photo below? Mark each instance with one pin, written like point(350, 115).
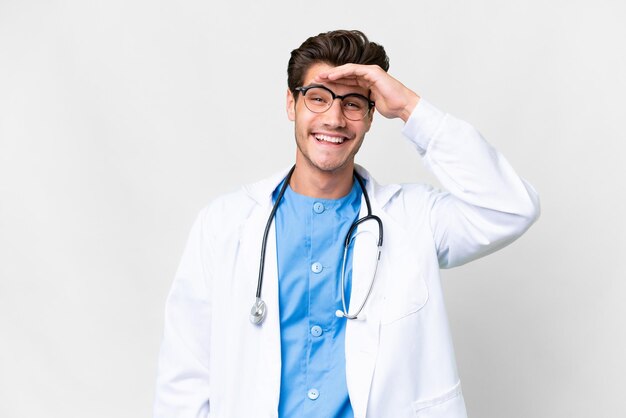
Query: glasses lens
point(355, 106)
point(318, 100)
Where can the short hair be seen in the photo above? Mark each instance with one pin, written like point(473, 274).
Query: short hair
point(335, 48)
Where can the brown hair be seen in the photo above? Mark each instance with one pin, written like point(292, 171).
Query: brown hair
point(334, 48)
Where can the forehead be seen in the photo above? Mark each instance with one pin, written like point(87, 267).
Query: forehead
point(338, 88)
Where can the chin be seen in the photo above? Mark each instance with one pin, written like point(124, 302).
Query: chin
point(330, 167)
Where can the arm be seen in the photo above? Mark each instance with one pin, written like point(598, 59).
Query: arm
point(487, 205)
point(182, 388)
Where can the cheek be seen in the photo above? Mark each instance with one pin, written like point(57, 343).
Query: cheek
point(368, 124)
point(362, 128)
point(303, 121)
point(300, 126)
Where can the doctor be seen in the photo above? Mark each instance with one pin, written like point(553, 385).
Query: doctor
point(325, 325)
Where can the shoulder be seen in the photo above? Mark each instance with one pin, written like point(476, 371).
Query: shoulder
point(418, 193)
point(408, 204)
point(231, 205)
point(226, 212)
point(412, 198)
point(394, 195)
point(231, 209)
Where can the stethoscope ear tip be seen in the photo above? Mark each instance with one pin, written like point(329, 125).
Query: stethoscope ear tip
point(339, 313)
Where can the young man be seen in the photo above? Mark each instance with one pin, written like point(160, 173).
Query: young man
point(346, 321)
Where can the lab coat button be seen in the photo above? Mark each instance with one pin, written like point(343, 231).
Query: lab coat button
point(316, 267)
point(313, 394)
point(316, 330)
point(318, 207)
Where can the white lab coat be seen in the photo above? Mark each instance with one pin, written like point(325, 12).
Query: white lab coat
point(399, 355)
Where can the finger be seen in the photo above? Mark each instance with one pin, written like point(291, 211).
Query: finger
point(348, 81)
point(354, 82)
point(349, 71)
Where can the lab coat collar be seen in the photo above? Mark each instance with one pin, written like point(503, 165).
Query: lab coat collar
point(262, 190)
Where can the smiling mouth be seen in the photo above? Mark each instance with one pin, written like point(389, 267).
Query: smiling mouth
point(330, 139)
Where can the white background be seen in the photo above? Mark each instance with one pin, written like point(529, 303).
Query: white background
point(120, 120)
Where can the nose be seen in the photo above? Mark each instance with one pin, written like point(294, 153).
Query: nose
point(334, 116)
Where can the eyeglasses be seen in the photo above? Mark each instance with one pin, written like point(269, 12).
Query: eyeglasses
point(318, 99)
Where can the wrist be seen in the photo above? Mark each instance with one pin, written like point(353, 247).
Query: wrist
point(412, 102)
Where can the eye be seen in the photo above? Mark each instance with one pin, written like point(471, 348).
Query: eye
point(318, 98)
point(354, 104)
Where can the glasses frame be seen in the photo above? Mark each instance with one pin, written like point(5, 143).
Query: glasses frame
point(304, 89)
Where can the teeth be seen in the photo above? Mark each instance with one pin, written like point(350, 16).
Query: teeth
point(333, 139)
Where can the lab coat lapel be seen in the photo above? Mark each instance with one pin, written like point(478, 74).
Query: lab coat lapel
point(271, 325)
point(362, 334)
point(267, 335)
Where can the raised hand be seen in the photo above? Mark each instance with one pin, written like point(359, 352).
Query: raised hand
point(393, 99)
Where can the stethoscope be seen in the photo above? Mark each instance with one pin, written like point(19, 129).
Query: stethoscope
point(258, 312)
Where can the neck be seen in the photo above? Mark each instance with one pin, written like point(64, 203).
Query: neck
point(321, 184)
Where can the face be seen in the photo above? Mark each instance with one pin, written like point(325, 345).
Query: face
point(327, 142)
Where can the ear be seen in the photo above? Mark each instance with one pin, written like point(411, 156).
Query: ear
point(291, 106)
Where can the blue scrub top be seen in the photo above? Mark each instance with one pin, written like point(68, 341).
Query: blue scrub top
point(310, 236)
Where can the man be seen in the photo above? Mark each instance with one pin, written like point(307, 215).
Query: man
point(336, 333)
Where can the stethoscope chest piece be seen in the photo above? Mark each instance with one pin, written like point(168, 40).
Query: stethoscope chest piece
point(258, 312)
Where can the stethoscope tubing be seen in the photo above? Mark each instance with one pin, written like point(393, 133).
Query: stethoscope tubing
point(267, 230)
point(259, 308)
point(345, 312)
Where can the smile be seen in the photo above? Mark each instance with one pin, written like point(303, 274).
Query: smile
point(328, 138)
